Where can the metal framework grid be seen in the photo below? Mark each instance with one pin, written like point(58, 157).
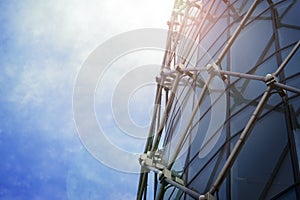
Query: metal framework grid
point(252, 48)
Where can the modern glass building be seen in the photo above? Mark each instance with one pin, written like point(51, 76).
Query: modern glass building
point(226, 120)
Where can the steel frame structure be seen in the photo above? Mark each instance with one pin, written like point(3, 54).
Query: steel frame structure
point(220, 27)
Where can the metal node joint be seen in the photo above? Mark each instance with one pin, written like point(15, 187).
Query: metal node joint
point(207, 196)
point(168, 174)
point(152, 159)
point(271, 80)
point(167, 76)
point(213, 69)
point(179, 67)
point(177, 11)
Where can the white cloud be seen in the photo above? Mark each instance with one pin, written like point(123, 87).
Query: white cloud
point(74, 28)
point(52, 40)
point(89, 21)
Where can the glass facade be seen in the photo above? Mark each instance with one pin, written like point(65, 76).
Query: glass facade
point(229, 85)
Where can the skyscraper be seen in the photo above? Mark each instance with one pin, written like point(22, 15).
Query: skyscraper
point(226, 120)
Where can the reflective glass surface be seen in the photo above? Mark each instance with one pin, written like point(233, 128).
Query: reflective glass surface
point(236, 135)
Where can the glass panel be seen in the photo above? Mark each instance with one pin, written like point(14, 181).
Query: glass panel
point(240, 119)
point(259, 156)
point(169, 191)
point(287, 195)
point(284, 177)
point(199, 181)
point(245, 52)
point(295, 110)
point(263, 167)
point(291, 17)
point(293, 65)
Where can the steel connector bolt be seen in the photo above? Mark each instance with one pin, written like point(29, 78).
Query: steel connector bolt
point(270, 79)
point(207, 196)
point(212, 69)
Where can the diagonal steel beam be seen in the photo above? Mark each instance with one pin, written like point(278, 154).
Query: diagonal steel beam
point(143, 175)
point(286, 87)
point(237, 31)
point(287, 59)
point(166, 113)
point(240, 143)
point(197, 32)
point(187, 127)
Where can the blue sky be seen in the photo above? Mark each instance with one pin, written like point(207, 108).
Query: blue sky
point(42, 47)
